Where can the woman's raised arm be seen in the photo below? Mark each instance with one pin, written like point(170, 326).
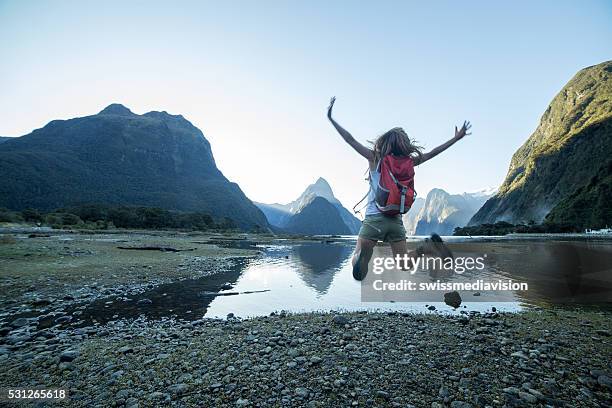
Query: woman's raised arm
point(348, 138)
point(459, 134)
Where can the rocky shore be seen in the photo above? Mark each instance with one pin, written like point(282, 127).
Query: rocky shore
point(65, 266)
point(551, 358)
point(539, 358)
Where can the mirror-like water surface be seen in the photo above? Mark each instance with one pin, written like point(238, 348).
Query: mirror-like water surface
point(316, 276)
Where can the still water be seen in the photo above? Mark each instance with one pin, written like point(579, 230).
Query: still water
point(316, 276)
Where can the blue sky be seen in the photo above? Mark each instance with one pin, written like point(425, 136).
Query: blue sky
point(256, 77)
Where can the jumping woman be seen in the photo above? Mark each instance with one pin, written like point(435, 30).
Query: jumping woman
point(391, 154)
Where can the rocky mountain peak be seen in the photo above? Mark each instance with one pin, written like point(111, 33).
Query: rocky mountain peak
point(116, 109)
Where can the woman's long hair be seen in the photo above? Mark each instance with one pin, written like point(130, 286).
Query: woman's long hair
point(397, 143)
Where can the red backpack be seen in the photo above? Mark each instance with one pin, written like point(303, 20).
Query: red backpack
point(395, 191)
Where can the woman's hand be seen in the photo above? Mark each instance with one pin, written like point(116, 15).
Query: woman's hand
point(331, 106)
point(348, 138)
point(459, 134)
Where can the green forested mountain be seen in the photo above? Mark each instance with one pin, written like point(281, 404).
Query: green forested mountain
point(588, 207)
point(568, 148)
point(120, 158)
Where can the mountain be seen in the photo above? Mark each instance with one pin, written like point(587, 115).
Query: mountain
point(589, 206)
point(411, 218)
point(441, 212)
point(277, 214)
point(4, 139)
point(120, 158)
point(280, 214)
point(567, 149)
point(317, 217)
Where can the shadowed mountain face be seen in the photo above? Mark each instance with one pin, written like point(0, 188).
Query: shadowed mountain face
point(441, 212)
point(589, 206)
point(319, 216)
point(4, 138)
point(571, 143)
point(280, 215)
point(120, 158)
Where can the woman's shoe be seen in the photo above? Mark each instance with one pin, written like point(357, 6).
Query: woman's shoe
point(359, 270)
point(435, 246)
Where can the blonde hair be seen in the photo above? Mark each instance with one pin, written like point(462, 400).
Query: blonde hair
point(397, 143)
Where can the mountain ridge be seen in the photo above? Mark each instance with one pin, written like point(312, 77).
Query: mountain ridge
point(317, 217)
point(279, 215)
point(121, 158)
point(441, 212)
point(572, 140)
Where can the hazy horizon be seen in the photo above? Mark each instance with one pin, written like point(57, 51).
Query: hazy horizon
point(257, 78)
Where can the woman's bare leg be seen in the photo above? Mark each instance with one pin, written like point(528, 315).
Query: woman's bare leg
point(434, 247)
point(401, 248)
point(361, 257)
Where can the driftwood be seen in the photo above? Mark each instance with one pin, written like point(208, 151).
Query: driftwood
point(247, 292)
point(156, 248)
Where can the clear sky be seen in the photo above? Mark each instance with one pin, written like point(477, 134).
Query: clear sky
point(256, 77)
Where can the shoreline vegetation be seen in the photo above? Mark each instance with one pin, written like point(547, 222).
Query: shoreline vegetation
point(100, 217)
point(505, 228)
point(541, 357)
point(105, 217)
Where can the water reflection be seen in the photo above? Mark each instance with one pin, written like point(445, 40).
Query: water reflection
point(317, 263)
point(317, 276)
point(557, 272)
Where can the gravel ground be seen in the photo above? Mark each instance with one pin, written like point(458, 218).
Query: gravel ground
point(74, 265)
point(539, 358)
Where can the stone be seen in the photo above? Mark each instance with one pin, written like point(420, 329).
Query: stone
point(527, 397)
point(383, 394)
point(511, 390)
point(460, 404)
point(131, 403)
point(178, 389)
point(519, 354)
point(20, 322)
point(69, 355)
point(125, 350)
point(453, 299)
point(121, 394)
point(604, 381)
point(63, 319)
point(340, 320)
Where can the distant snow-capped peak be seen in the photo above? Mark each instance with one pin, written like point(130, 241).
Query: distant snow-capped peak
point(485, 192)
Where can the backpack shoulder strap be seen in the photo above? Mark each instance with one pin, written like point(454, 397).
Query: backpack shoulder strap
point(360, 201)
